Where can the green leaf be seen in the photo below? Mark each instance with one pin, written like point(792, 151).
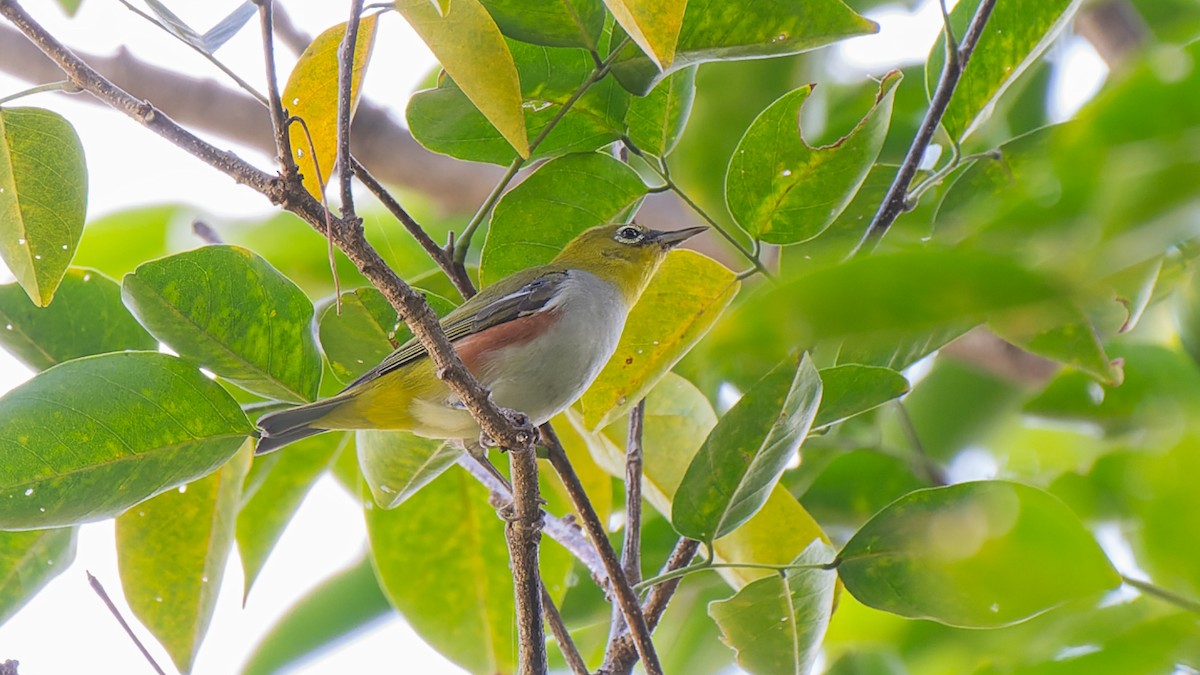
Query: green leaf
point(144, 421)
point(86, 318)
point(311, 93)
point(894, 295)
point(678, 419)
point(979, 555)
point(568, 23)
point(714, 30)
point(70, 6)
point(655, 122)
point(1016, 34)
point(231, 312)
point(1160, 390)
point(777, 623)
point(442, 561)
point(564, 197)
point(446, 121)
point(850, 487)
point(366, 330)
point(172, 550)
point(683, 301)
point(851, 389)
point(273, 491)
point(28, 561)
point(471, 49)
point(43, 198)
point(342, 604)
point(741, 461)
point(117, 243)
point(652, 24)
point(782, 190)
point(397, 464)
point(1073, 342)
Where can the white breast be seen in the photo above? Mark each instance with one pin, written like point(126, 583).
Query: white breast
point(544, 376)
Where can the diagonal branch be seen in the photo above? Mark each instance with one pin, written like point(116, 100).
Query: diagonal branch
point(504, 427)
point(896, 201)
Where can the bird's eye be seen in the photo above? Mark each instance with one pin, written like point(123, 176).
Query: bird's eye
point(629, 234)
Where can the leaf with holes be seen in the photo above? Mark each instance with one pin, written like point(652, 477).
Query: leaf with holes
point(43, 198)
point(230, 311)
point(144, 421)
point(783, 191)
point(311, 94)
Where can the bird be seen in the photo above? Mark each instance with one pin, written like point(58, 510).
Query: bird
point(535, 340)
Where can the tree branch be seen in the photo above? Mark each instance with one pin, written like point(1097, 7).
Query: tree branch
point(523, 531)
point(626, 599)
point(504, 427)
point(896, 201)
point(622, 653)
point(345, 92)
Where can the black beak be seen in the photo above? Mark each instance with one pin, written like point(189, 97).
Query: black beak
point(675, 237)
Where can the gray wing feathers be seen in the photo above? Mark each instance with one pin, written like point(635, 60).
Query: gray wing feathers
point(530, 298)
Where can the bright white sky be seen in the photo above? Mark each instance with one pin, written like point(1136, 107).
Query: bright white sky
point(66, 629)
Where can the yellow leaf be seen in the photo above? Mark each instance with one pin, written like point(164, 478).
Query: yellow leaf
point(471, 49)
point(652, 24)
point(682, 302)
point(311, 94)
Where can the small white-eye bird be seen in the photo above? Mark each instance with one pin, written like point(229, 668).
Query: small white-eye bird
point(536, 340)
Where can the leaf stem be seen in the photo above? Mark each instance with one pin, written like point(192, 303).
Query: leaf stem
point(99, 589)
point(709, 565)
point(597, 74)
point(1161, 593)
point(66, 86)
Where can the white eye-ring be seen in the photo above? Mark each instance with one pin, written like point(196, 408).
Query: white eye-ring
point(629, 234)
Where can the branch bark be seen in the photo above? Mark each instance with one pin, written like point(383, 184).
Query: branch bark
point(504, 427)
point(896, 201)
point(523, 532)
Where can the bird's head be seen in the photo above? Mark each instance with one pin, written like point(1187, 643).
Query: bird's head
point(626, 254)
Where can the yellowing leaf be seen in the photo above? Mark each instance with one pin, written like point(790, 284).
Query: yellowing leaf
point(43, 198)
point(471, 49)
point(311, 94)
point(652, 24)
point(682, 302)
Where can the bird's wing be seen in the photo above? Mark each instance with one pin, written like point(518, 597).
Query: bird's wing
point(484, 311)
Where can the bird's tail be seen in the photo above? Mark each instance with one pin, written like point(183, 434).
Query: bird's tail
point(288, 426)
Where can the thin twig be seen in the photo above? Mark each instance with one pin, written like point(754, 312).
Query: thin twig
point(631, 547)
point(245, 86)
point(295, 39)
point(443, 257)
point(620, 586)
point(622, 654)
point(933, 472)
point(499, 425)
point(522, 531)
point(99, 589)
point(896, 201)
point(1148, 588)
point(279, 126)
point(345, 93)
point(597, 74)
point(65, 86)
point(562, 530)
point(566, 645)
